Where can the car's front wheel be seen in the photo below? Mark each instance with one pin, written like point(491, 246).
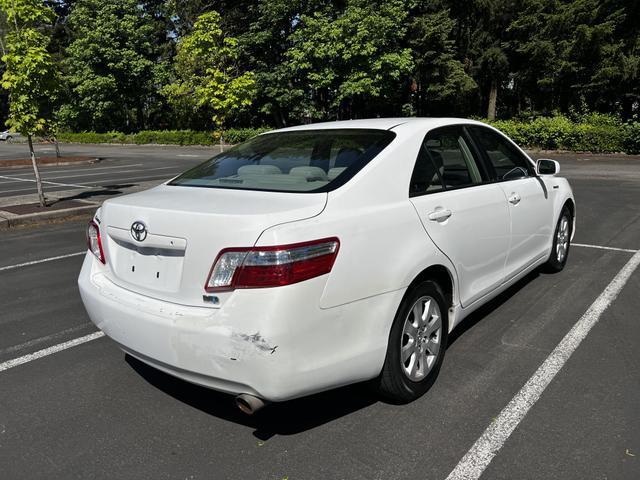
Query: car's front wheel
point(561, 242)
point(417, 344)
point(9, 139)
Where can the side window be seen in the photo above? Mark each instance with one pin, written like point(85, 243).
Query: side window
point(508, 163)
point(444, 162)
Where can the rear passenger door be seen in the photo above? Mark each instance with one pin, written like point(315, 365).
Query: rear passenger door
point(530, 208)
point(464, 214)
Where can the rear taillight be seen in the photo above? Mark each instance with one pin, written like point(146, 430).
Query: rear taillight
point(261, 267)
point(94, 243)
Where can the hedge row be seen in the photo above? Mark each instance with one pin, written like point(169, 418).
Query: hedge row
point(597, 133)
point(166, 137)
point(553, 133)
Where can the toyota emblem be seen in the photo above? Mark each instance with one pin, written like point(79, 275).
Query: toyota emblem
point(138, 231)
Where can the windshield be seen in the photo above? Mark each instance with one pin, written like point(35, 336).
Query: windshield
point(298, 161)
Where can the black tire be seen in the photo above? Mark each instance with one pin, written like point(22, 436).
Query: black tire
point(556, 262)
point(9, 139)
point(393, 383)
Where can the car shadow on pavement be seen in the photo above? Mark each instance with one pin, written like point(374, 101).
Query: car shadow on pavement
point(485, 310)
point(286, 418)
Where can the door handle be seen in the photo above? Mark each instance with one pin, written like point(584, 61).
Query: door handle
point(514, 199)
point(439, 215)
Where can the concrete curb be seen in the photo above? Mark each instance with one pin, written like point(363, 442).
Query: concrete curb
point(10, 220)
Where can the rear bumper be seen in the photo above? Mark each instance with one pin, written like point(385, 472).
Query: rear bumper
point(275, 343)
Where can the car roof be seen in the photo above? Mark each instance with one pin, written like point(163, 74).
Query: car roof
point(383, 123)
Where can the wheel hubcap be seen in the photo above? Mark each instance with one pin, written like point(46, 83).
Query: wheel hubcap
point(421, 338)
point(562, 239)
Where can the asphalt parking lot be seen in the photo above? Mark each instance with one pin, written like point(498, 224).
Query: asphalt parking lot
point(120, 167)
point(91, 412)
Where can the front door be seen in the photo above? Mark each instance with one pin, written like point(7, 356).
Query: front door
point(529, 203)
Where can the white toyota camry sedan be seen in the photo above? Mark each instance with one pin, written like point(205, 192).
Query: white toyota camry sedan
point(317, 256)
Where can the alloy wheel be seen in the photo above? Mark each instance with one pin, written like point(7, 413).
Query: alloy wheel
point(562, 239)
point(421, 338)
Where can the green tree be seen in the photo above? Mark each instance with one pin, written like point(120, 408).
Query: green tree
point(442, 83)
point(207, 73)
point(494, 67)
point(264, 46)
point(30, 76)
point(352, 61)
point(484, 45)
point(578, 52)
point(110, 65)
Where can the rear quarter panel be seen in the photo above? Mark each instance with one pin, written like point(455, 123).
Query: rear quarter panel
point(383, 245)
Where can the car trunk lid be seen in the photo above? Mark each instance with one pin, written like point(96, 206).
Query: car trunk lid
point(184, 229)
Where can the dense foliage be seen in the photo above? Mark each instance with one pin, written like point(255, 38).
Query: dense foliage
point(163, 137)
point(592, 133)
point(207, 73)
point(193, 64)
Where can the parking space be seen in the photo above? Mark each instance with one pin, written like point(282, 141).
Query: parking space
point(91, 412)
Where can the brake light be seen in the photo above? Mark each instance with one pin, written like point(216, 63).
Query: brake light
point(94, 243)
point(260, 267)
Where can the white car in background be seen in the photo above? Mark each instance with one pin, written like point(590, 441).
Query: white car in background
point(8, 136)
point(317, 256)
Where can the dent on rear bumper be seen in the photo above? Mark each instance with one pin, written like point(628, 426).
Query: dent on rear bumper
point(274, 343)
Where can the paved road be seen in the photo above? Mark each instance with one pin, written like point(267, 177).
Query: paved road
point(91, 412)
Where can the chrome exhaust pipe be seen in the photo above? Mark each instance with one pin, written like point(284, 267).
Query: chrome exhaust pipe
point(249, 404)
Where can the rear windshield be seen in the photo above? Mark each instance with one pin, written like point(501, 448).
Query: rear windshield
point(302, 161)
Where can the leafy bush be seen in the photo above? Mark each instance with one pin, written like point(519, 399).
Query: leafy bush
point(594, 132)
point(93, 137)
point(596, 138)
point(166, 137)
point(173, 137)
point(238, 135)
point(631, 139)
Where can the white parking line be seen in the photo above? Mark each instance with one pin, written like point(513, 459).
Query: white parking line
point(43, 260)
point(615, 249)
point(89, 174)
point(21, 190)
point(136, 179)
point(102, 183)
point(48, 351)
point(44, 181)
point(491, 441)
point(53, 169)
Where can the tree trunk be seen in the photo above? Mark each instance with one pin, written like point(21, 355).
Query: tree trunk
point(36, 171)
point(493, 98)
point(278, 117)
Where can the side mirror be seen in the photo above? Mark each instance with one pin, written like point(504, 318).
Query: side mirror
point(544, 166)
